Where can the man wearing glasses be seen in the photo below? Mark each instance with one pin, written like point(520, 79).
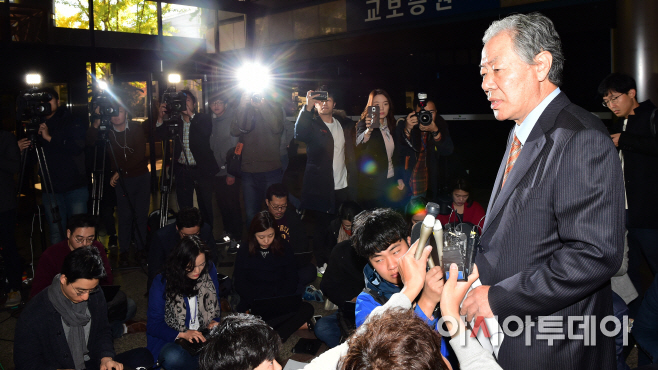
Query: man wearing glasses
point(81, 232)
point(291, 227)
point(65, 326)
point(225, 186)
point(638, 151)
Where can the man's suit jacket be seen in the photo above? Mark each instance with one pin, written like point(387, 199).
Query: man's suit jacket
point(40, 341)
point(553, 238)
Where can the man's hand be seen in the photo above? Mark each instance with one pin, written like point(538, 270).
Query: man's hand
point(107, 363)
point(477, 303)
point(230, 180)
point(400, 184)
point(310, 100)
point(192, 336)
point(43, 131)
point(23, 144)
point(615, 139)
point(453, 294)
point(413, 271)
point(114, 180)
point(411, 121)
point(161, 112)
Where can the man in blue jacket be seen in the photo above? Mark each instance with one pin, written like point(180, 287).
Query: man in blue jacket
point(380, 236)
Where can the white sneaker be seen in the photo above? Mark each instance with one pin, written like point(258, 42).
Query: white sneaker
point(13, 299)
point(321, 270)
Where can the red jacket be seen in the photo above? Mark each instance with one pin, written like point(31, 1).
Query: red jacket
point(51, 261)
point(473, 214)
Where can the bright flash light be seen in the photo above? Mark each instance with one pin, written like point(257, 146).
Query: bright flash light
point(33, 79)
point(102, 85)
point(227, 238)
point(174, 78)
point(253, 77)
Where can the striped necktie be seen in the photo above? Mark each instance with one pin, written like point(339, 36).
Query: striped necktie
point(514, 152)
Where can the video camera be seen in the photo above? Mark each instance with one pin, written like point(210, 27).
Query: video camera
point(176, 101)
point(33, 105)
point(424, 117)
point(107, 108)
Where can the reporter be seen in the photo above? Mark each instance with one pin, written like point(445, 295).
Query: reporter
point(464, 208)
point(183, 300)
point(128, 143)
point(380, 182)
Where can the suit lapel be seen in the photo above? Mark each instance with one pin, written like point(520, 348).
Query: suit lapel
point(533, 146)
point(499, 178)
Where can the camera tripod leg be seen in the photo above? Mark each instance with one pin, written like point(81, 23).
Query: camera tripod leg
point(47, 187)
point(98, 178)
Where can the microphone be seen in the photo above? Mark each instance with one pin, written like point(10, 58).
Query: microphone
point(438, 238)
point(426, 229)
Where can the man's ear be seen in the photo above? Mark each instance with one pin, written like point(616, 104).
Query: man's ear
point(409, 241)
point(63, 279)
point(631, 93)
point(68, 234)
point(543, 63)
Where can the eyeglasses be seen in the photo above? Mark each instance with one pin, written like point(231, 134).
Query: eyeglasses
point(80, 292)
point(218, 102)
point(279, 208)
point(80, 239)
point(612, 100)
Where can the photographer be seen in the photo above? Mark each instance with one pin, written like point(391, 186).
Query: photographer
point(260, 122)
point(226, 186)
point(129, 147)
point(196, 162)
point(63, 140)
point(420, 148)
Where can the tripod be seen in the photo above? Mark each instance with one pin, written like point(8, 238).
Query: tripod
point(168, 163)
point(44, 173)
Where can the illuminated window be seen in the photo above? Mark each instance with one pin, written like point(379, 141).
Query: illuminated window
point(72, 14)
point(184, 21)
point(132, 16)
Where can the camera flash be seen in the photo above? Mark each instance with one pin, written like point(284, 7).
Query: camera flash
point(102, 85)
point(33, 79)
point(174, 78)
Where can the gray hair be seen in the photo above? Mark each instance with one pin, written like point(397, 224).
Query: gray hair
point(532, 34)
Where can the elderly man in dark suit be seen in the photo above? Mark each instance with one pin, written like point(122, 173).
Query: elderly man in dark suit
point(553, 237)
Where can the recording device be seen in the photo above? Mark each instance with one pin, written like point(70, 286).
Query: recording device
point(176, 101)
point(194, 348)
point(424, 117)
point(427, 228)
point(373, 113)
point(320, 95)
point(107, 108)
point(32, 105)
point(256, 98)
point(459, 248)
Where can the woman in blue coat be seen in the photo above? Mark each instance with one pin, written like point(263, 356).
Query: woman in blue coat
point(183, 300)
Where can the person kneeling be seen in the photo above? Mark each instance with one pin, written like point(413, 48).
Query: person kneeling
point(65, 326)
point(183, 301)
point(241, 342)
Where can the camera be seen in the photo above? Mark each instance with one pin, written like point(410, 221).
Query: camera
point(107, 108)
point(424, 117)
point(321, 95)
point(256, 98)
point(33, 105)
point(176, 101)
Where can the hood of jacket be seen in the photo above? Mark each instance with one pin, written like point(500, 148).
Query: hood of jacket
point(375, 283)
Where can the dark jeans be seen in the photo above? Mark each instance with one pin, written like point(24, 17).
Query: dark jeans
point(254, 186)
point(322, 221)
point(620, 310)
point(228, 202)
point(327, 330)
point(70, 203)
point(174, 357)
point(642, 243)
point(286, 325)
point(9, 248)
point(186, 179)
point(138, 191)
point(645, 327)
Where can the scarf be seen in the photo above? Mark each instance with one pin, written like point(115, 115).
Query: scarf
point(207, 302)
point(343, 234)
point(76, 317)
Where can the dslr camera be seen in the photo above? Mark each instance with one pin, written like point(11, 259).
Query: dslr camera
point(107, 108)
point(424, 117)
point(33, 105)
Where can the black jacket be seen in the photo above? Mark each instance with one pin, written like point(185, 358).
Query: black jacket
point(65, 152)
point(374, 152)
point(40, 342)
point(200, 133)
point(10, 164)
point(343, 279)
point(640, 151)
point(164, 240)
point(408, 151)
point(318, 189)
point(293, 231)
